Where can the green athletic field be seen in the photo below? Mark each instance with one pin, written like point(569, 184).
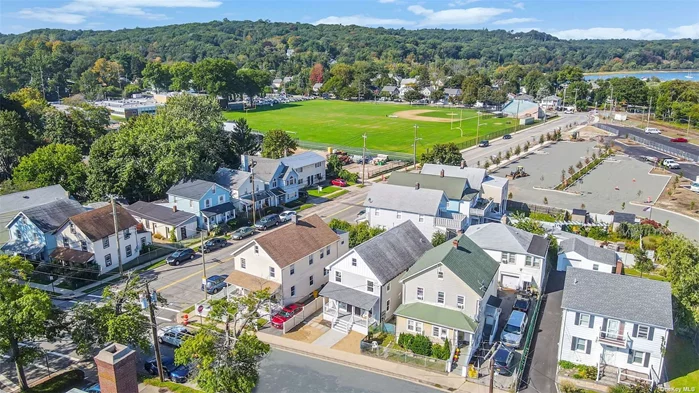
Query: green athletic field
point(340, 124)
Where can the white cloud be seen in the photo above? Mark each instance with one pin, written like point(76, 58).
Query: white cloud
point(688, 31)
point(456, 16)
point(76, 11)
point(513, 21)
point(519, 5)
point(609, 33)
point(386, 1)
point(361, 20)
point(456, 3)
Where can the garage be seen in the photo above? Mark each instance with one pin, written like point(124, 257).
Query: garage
point(509, 281)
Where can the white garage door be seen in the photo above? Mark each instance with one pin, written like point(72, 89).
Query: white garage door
point(510, 281)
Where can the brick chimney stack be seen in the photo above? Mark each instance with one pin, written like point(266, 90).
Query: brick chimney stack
point(116, 369)
point(174, 208)
point(455, 243)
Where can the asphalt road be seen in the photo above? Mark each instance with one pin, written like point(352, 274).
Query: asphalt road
point(657, 138)
point(688, 170)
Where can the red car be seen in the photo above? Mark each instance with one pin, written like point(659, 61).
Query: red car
point(285, 314)
point(339, 183)
point(681, 140)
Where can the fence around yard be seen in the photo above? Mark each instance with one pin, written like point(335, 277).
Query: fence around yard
point(307, 310)
point(398, 356)
point(659, 146)
point(515, 206)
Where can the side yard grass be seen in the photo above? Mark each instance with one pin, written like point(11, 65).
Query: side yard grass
point(60, 383)
point(629, 271)
point(325, 191)
point(171, 386)
point(682, 362)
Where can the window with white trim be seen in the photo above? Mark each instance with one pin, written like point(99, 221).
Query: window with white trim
point(420, 218)
point(220, 199)
point(528, 260)
point(440, 274)
point(584, 320)
point(388, 287)
point(376, 212)
point(242, 263)
point(108, 260)
point(354, 261)
point(414, 326)
point(327, 250)
point(420, 293)
point(580, 344)
point(637, 357)
point(460, 301)
point(440, 297)
point(256, 249)
point(643, 332)
point(338, 276)
point(65, 242)
point(370, 286)
point(310, 280)
point(83, 245)
point(128, 251)
point(292, 269)
point(105, 242)
point(537, 262)
point(388, 304)
point(207, 202)
point(272, 273)
point(72, 228)
point(310, 259)
point(411, 325)
point(507, 257)
point(399, 214)
point(293, 290)
point(439, 332)
point(325, 271)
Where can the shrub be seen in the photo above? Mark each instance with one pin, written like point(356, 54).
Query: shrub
point(421, 345)
point(566, 365)
point(173, 236)
point(587, 372)
point(158, 236)
point(569, 387)
point(437, 352)
point(348, 176)
point(405, 339)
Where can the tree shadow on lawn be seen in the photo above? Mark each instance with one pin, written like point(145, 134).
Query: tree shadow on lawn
point(265, 108)
point(682, 361)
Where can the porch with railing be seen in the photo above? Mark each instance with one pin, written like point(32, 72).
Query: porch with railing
point(451, 220)
point(344, 320)
point(614, 339)
point(481, 208)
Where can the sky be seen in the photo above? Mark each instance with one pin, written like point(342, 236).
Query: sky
point(567, 19)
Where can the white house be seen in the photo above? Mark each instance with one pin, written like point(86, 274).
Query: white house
point(617, 323)
point(309, 166)
point(316, 87)
point(577, 253)
point(522, 255)
point(364, 287)
point(389, 205)
point(444, 292)
point(291, 261)
point(89, 239)
point(162, 220)
point(550, 102)
point(491, 188)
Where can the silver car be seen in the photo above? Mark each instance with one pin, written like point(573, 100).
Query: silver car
point(173, 335)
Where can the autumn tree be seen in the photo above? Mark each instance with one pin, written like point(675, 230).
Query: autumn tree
point(316, 74)
point(107, 72)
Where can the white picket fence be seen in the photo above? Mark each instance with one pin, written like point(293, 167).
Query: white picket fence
point(308, 310)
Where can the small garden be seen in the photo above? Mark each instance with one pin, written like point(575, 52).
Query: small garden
point(577, 371)
point(581, 169)
point(416, 350)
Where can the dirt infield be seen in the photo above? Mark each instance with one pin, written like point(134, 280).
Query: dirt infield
point(414, 114)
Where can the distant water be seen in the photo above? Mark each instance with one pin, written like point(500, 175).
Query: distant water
point(663, 76)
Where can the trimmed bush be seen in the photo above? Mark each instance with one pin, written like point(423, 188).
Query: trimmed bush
point(421, 345)
point(405, 339)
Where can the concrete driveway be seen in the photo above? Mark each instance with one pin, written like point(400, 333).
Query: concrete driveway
point(540, 373)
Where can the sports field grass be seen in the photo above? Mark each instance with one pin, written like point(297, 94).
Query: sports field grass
point(340, 124)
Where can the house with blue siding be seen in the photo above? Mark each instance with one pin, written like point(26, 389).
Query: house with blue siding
point(210, 202)
point(281, 182)
point(33, 230)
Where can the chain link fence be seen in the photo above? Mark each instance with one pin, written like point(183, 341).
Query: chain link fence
point(398, 356)
point(659, 146)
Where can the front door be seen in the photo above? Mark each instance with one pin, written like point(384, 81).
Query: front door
point(613, 329)
point(183, 232)
point(358, 311)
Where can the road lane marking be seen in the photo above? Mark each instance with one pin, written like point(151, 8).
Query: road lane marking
point(164, 319)
point(169, 309)
point(97, 296)
point(340, 211)
point(200, 272)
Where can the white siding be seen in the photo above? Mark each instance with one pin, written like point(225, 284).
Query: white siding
point(389, 219)
point(257, 263)
point(574, 259)
point(97, 247)
point(518, 268)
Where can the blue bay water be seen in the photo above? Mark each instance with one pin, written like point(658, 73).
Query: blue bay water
point(663, 76)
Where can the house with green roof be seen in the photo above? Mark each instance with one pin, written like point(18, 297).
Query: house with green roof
point(445, 294)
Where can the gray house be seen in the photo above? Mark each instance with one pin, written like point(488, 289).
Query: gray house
point(11, 204)
point(390, 89)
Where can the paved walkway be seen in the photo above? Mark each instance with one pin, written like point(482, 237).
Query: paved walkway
point(330, 338)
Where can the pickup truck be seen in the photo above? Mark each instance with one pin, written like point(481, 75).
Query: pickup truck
point(670, 163)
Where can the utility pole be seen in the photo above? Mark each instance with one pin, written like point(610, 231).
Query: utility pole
point(649, 106)
point(611, 117)
point(203, 262)
point(154, 329)
point(492, 374)
point(415, 139)
point(478, 126)
point(252, 178)
point(575, 101)
point(517, 122)
point(363, 156)
point(116, 235)
point(689, 123)
point(565, 90)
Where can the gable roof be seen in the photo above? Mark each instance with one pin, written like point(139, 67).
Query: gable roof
point(589, 251)
point(475, 176)
point(501, 237)
point(404, 199)
point(292, 242)
point(394, 251)
point(452, 92)
point(50, 216)
point(265, 168)
point(454, 187)
point(467, 261)
point(551, 98)
point(230, 179)
point(99, 223)
point(191, 189)
point(617, 296)
point(302, 159)
point(25, 199)
point(389, 88)
point(159, 213)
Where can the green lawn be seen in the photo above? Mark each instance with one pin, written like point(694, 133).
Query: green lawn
point(682, 363)
point(331, 123)
point(326, 191)
point(628, 271)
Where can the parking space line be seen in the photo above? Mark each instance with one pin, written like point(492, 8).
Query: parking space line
point(164, 319)
point(97, 296)
point(169, 309)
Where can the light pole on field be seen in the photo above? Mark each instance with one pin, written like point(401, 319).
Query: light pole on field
point(415, 139)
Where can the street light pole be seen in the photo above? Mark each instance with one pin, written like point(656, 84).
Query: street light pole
point(203, 261)
point(363, 156)
point(415, 139)
point(649, 106)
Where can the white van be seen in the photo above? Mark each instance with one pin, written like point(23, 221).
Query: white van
point(652, 130)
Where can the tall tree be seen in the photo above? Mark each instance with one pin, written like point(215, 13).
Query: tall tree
point(316, 74)
point(253, 81)
point(156, 76)
point(642, 262)
point(54, 164)
point(680, 256)
point(16, 140)
point(217, 77)
point(242, 141)
point(27, 315)
point(228, 362)
point(181, 74)
point(278, 144)
point(108, 72)
point(444, 154)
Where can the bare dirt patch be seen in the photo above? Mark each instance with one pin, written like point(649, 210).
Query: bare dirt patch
point(306, 334)
point(590, 132)
point(678, 198)
point(350, 343)
point(414, 114)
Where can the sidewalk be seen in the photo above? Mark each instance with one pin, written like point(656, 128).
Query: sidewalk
point(449, 382)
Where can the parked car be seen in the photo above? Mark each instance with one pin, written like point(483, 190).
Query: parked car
point(285, 314)
point(176, 373)
point(267, 221)
point(180, 256)
point(179, 374)
point(303, 194)
point(514, 329)
point(568, 112)
point(521, 304)
point(361, 216)
point(339, 183)
point(491, 326)
point(173, 335)
point(679, 140)
point(507, 136)
point(92, 388)
point(651, 130)
point(214, 244)
point(504, 360)
point(670, 163)
point(215, 284)
point(286, 215)
point(242, 233)
point(483, 144)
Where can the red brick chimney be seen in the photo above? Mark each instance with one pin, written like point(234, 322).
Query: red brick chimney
point(174, 208)
point(455, 243)
point(116, 369)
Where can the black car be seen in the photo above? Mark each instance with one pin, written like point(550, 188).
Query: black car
point(504, 359)
point(507, 136)
point(522, 305)
point(176, 373)
point(179, 256)
point(214, 244)
point(483, 144)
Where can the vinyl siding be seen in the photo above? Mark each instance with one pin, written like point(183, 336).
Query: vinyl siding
point(451, 285)
point(98, 249)
point(518, 268)
point(574, 259)
point(389, 219)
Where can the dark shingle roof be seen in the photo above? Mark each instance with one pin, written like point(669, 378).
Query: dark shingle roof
point(454, 187)
point(468, 261)
point(191, 189)
point(265, 168)
point(394, 251)
point(38, 196)
point(50, 216)
point(629, 218)
point(99, 223)
point(624, 297)
point(159, 213)
point(589, 251)
point(231, 178)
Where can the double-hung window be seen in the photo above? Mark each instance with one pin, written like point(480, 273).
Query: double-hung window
point(272, 273)
point(292, 269)
point(108, 260)
point(460, 301)
point(528, 260)
point(338, 276)
point(128, 251)
point(584, 320)
point(242, 263)
point(440, 297)
point(83, 245)
point(643, 332)
point(105, 242)
point(579, 344)
point(354, 261)
point(310, 259)
point(507, 257)
point(310, 281)
point(370, 286)
point(420, 293)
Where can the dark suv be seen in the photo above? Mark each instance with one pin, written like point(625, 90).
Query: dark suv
point(267, 221)
point(180, 256)
point(214, 244)
point(215, 283)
